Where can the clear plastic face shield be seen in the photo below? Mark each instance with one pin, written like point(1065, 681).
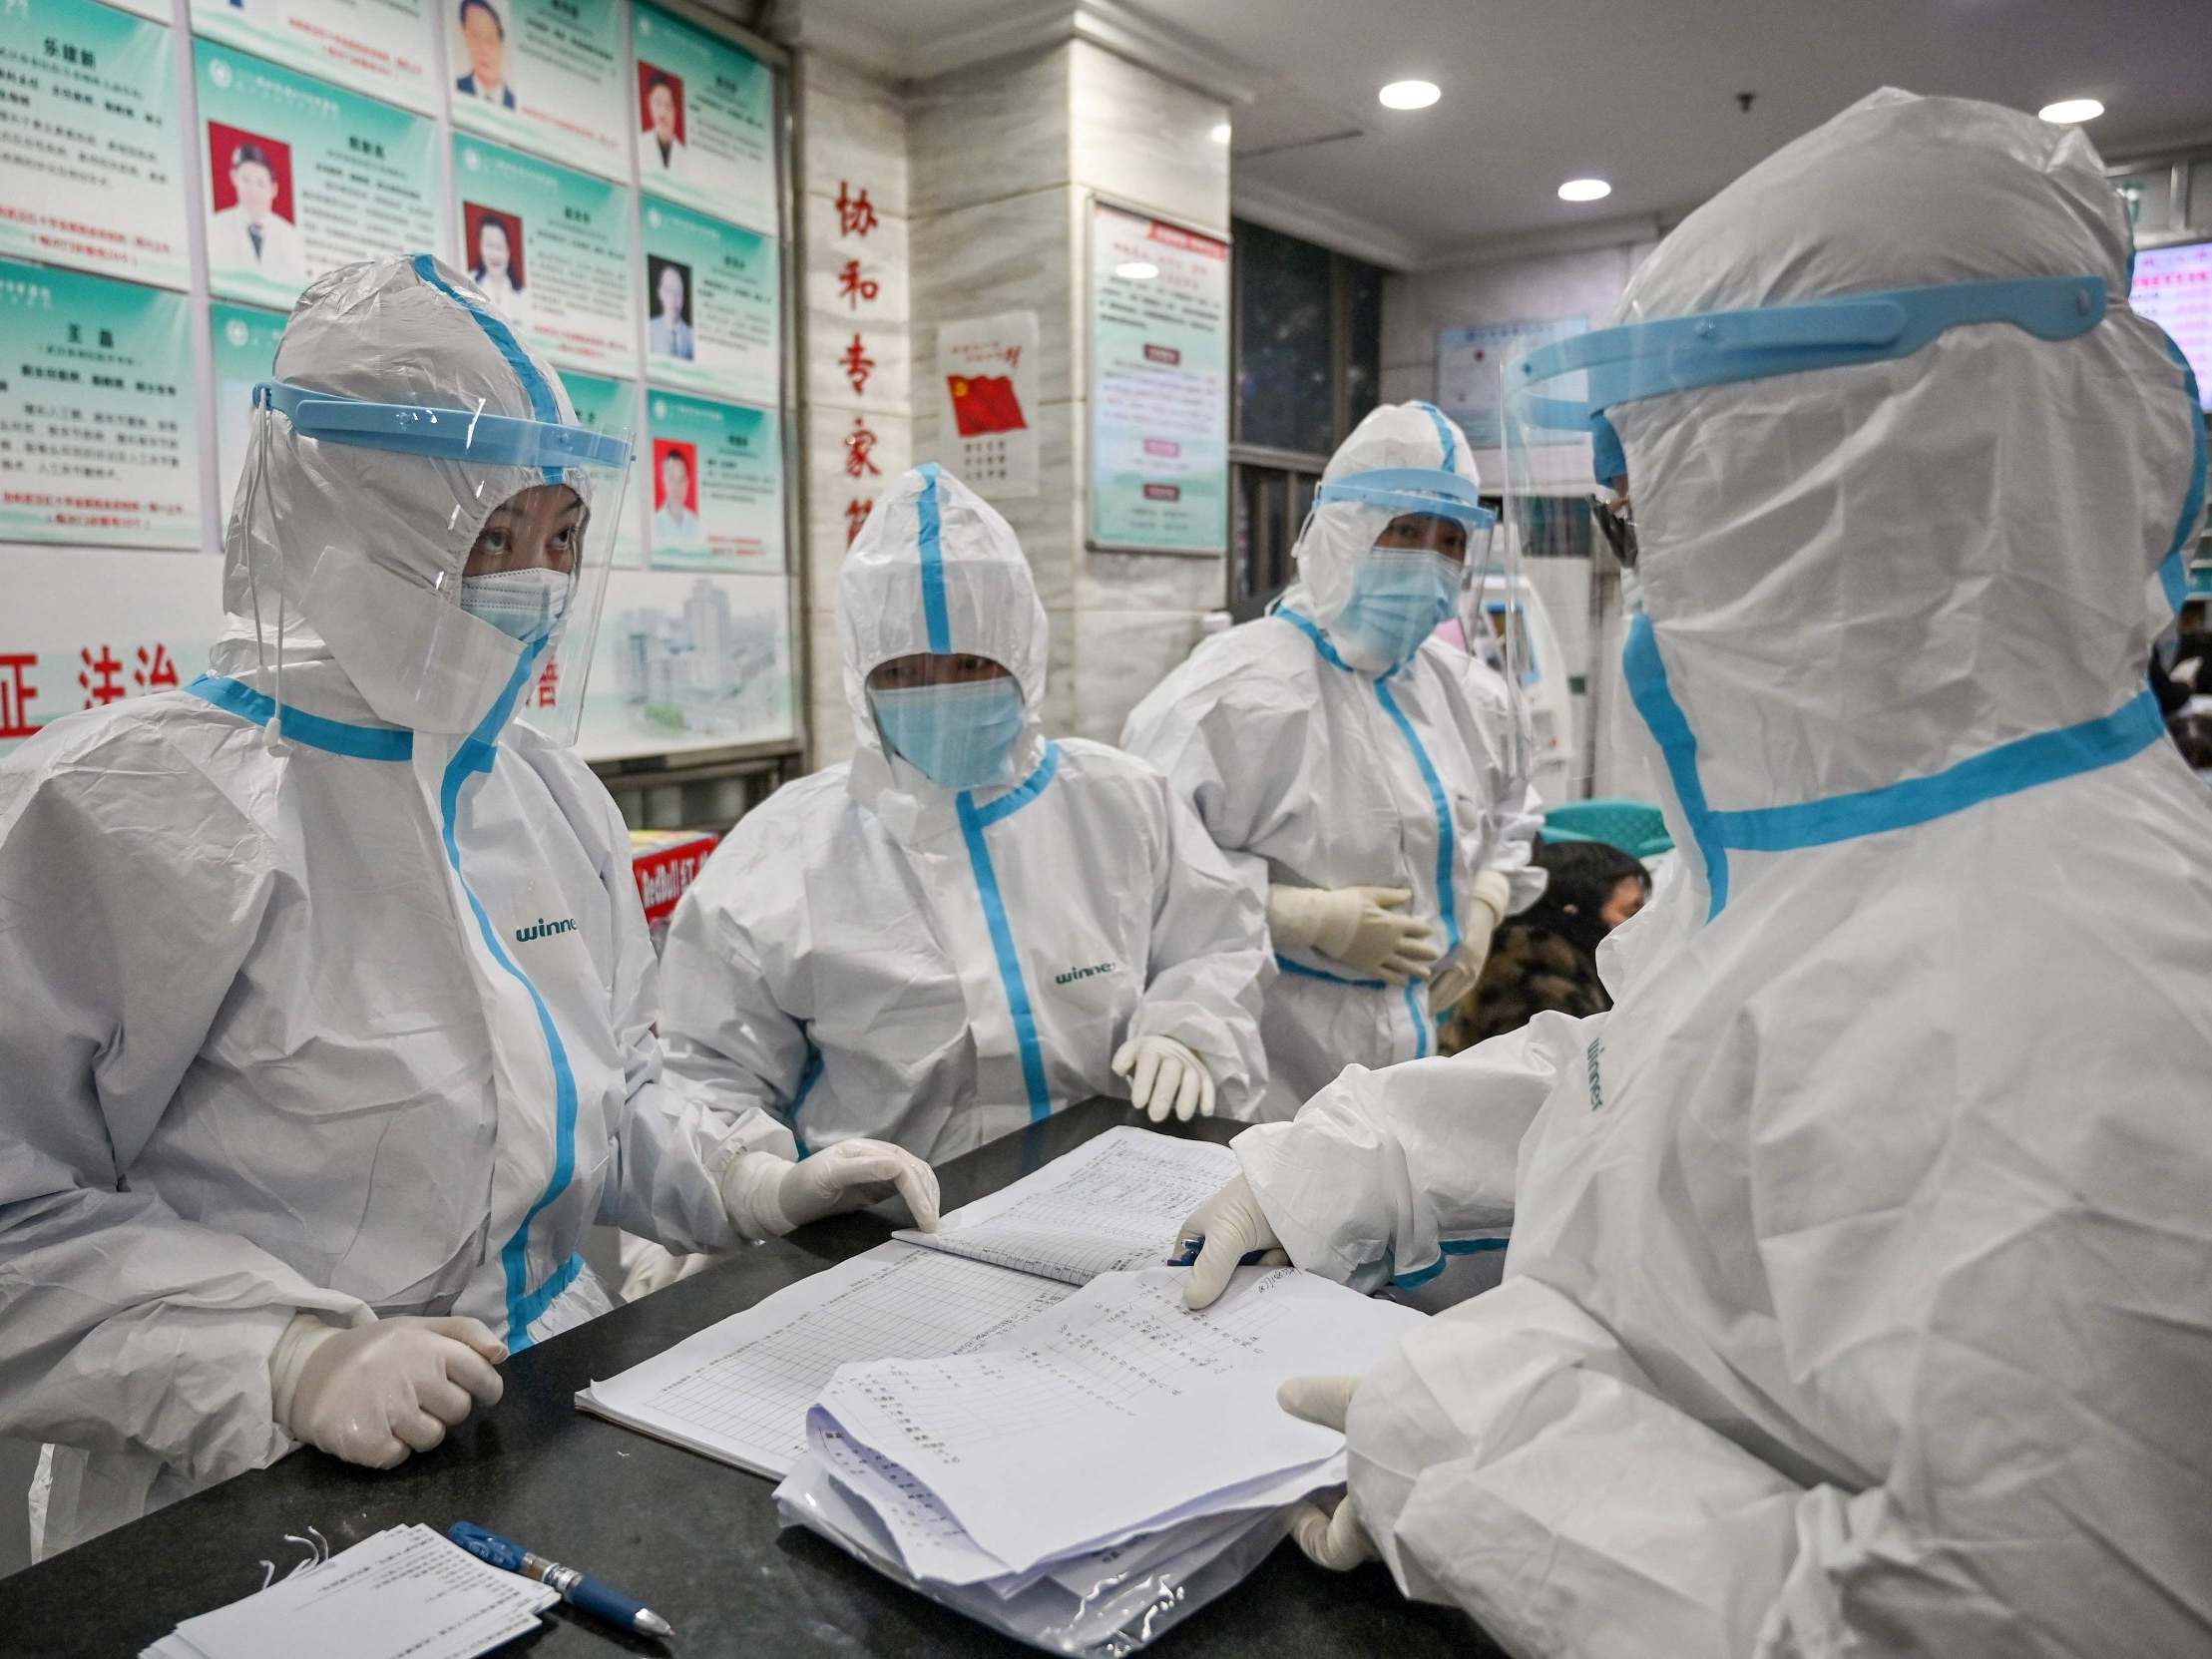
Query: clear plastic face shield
point(437, 639)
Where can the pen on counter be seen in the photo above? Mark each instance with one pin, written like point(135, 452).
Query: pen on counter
point(1188, 1246)
point(572, 1586)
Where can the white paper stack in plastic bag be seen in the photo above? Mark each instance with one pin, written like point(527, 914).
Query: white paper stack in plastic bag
point(1116, 1463)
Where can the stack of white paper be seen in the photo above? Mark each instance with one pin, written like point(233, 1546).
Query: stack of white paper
point(1116, 1444)
point(405, 1591)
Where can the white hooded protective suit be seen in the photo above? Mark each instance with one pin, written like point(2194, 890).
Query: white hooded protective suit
point(871, 954)
point(363, 1025)
point(1312, 769)
point(1857, 1295)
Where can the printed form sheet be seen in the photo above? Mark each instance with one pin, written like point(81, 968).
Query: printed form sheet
point(1119, 1409)
point(738, 1391)
point(1111, 1205)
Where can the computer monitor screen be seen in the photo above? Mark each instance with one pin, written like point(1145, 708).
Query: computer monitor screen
point(2173, 287)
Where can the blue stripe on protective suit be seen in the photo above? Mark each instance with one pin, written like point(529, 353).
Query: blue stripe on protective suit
point(1443, 434)
point(477, 754)
point(808, 1077)
point(299, 726)
point(1670, 730)
point(935, 617)
point(973, 821)
point(1446, 1250)
point(2171, 571)
point(1439, 804)
point(2023, 763)
point(543, 403)
point(1305, 972)
point(2004, 770)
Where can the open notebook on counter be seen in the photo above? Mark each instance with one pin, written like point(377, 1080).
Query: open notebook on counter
point(740, 1390)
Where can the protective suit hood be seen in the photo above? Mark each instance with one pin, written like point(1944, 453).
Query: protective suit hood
point(361, 548)
point(1393, 438)
point(1811, 634)
point(935, 569)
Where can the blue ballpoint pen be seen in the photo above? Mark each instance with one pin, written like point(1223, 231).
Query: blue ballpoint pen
point(576, 1589)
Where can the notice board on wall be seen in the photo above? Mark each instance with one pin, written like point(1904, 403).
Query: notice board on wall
point(173, 172)
point(1160, 385)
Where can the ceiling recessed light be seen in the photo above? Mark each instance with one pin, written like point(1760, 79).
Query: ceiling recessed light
point(2068, 111)
point(1584, 189)
point(1220, 132)
point(1136, 270)
point(1408, 95)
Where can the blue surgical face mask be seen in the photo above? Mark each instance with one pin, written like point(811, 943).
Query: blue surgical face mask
point(958, 734)
point(1399, 597)
point(526, 604)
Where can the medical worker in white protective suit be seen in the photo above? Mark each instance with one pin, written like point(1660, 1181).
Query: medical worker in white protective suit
point(1857, 1295)
point(966, 926)
point(1348, 765)
point(326, 1024)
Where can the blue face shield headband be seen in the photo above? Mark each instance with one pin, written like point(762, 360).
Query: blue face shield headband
point(1679, 354)
point(1428, 491)
point(442, 433)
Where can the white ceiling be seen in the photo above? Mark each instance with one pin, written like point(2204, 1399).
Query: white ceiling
point(1639, 92)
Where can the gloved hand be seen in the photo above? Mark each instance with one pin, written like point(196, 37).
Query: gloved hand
point(1365, 928)
point(767, 1197)
point(1327, 1528)
point(648, 1267)
point(374, 1393)
point(1170, 1078)
point(1465, 965)
point(1234, 1226)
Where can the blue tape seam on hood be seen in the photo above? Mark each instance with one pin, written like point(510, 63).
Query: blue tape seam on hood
point(335, 736)
point(477, 754)
point(935, 618)
point(1443, 434)
point(543, 403)
point(1446, 1249)
point(2025, 763)
point(2171, 573)
point(973, 821)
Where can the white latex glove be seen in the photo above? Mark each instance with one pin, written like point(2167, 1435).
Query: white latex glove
point(1169, 1077)
point(1234, 1226)
point(648, 1267)
point(1465, 965)
point(374, 1393)
point(767, 1197)
point(1327, 1528)
point(1365, 928)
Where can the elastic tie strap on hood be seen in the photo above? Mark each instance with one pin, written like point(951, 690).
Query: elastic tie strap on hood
point(936, 617)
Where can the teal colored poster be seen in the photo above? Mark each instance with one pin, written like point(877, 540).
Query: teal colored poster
point(303, 177)
point(705, 121)
point(88, 141)
point(1159, 386)
point(612, 406)
point(715, 482)
point(380, 47)
point(549, 248)
point(548, 74)
point(711, 304)
point(96, 401)
point(246, 339)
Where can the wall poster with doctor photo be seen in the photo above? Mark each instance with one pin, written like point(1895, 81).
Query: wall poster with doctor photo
point(551, 249)
point(543, 74)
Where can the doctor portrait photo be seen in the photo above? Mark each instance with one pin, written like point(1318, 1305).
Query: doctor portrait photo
point(668, 329)
point(483, 42)
point(495, 258)
point(661, 150)
point(249, 225)
point(676, 518)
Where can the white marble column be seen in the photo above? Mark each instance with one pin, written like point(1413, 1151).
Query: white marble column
point(1005, 158)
